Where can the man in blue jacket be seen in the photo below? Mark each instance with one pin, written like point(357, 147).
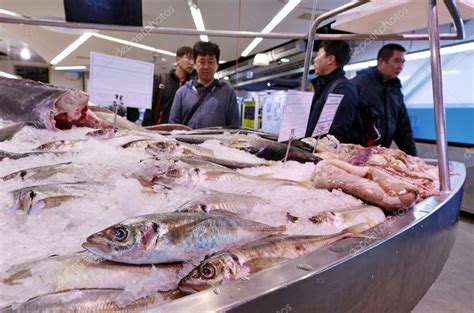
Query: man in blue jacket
point(328, 63)
point(205, 102)
point(383, 116)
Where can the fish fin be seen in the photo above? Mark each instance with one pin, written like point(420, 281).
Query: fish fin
point(306, 184)
point(224, 212)
point(259, 264)
point(8, 132)
point(265, 175)
point(177, 233)
point(281, 228)
point(356, 231)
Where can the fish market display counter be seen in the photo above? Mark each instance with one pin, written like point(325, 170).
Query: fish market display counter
point(389, 271)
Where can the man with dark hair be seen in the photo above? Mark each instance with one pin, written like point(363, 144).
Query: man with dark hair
point(205, 101)
point(328, 65)
point(383, 116)
point(164, 89)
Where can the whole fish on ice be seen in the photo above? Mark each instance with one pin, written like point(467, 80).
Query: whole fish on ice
point(174, 237)
point(236, 263)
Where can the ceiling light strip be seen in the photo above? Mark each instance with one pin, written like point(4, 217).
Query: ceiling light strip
point(273, 23)
point(133, 44)
point(70, 68)
point(198, 21)
point(73, 46)
point(8, 75)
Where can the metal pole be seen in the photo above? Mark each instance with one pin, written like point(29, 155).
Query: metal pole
point(151, 29)
point(440, 118)
point(456, 16)
point(312, 34)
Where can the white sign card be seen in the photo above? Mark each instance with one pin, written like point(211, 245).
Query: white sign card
point(272, 103)
point(327, 114)
point(110, 76)
point(295, 115)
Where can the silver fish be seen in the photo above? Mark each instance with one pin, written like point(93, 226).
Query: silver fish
point(61, 145)
point(89, 300)
point(39, 172)
point(352, 215)
point(51, 195)
point(83, 270)
point(239, 262)
point(231, 202)
point(260, 147)
point(17, 156)
point(172, 172)
point(174, 237)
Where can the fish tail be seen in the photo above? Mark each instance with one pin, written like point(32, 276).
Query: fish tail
point(356, 231)
point(281, 228)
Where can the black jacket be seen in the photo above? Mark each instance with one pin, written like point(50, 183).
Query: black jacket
point(172, 85)
point(382, 106)
point(346, 112)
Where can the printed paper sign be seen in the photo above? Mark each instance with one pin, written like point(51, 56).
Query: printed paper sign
point(110, 76)
point(327, 114)
point(295, 115)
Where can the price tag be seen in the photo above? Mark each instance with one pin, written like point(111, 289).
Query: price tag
point(327, 114)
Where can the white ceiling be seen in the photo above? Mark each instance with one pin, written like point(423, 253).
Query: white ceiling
point(217, 15)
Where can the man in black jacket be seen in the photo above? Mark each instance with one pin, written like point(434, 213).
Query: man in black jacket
point(328, 63)
point(383, 115)
point(164, 89)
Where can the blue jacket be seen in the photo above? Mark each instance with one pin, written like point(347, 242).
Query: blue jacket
point(382, 106)
point(220, 107)
point(347, 110)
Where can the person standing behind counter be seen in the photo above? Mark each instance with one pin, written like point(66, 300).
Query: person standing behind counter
point(205, 102)
point(383, 116)
point(328, 63)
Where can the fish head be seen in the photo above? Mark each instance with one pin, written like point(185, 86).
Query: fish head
point(25, 200)
point(163, 147)
point(126, 241)
point(210, 273)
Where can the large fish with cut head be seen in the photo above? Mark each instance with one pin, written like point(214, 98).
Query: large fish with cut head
point(45, 106)
point(174, 237)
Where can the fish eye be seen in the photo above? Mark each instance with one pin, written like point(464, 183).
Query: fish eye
point(172, 172)
point(208, 271)
point(120, 233)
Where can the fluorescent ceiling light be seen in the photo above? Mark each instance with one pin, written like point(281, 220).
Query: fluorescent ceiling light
point(222, 61)
point(79, 41)
point(8, 75)
point(197, 17)
point(25, 54)
point(464, 47)
point(273, 23)
point(86, 36)
point(284, 60)
point(133, 44)
point(360, 65)
point(66, 68)
point(9, 13)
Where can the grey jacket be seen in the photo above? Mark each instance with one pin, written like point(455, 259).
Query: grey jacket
point(220, 107)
